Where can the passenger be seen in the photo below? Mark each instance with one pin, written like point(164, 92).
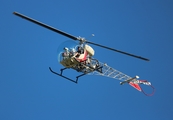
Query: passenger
point(66, 53)
point(72, 52)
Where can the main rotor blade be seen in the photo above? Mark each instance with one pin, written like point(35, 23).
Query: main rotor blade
point(118, 51)
point(46, 26)
point(73, 37)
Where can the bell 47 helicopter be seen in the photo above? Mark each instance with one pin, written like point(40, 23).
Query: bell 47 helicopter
point(79, 56)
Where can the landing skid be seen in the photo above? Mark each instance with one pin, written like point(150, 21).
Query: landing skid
point(77, 77)
point(75, 81)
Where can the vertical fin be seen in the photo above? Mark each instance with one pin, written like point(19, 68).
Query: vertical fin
point(135, 85)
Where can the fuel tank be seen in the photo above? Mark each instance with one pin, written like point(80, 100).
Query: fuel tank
point(89, 49)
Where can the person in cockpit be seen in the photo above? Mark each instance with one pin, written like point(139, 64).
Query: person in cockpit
point(80, 51)
point(66, 53)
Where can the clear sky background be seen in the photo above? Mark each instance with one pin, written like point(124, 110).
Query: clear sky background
point(29, 91)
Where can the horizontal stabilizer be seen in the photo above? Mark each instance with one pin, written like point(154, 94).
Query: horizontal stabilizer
point(129, 80)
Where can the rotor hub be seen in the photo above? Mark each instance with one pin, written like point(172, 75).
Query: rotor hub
point(81, 39)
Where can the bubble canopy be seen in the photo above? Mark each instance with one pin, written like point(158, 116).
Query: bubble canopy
point(70, 45)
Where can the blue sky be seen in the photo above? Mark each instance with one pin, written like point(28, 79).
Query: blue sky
point(29, 91)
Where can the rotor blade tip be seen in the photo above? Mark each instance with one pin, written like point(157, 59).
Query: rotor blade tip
point(148, 60)
point(145, 59)
point(14, 13)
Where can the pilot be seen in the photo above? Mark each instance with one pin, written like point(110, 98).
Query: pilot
point(80, 51)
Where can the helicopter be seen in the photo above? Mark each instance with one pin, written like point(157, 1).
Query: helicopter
point(78, 55)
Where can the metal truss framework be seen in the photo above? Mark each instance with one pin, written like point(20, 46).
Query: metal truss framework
point(108, 71)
